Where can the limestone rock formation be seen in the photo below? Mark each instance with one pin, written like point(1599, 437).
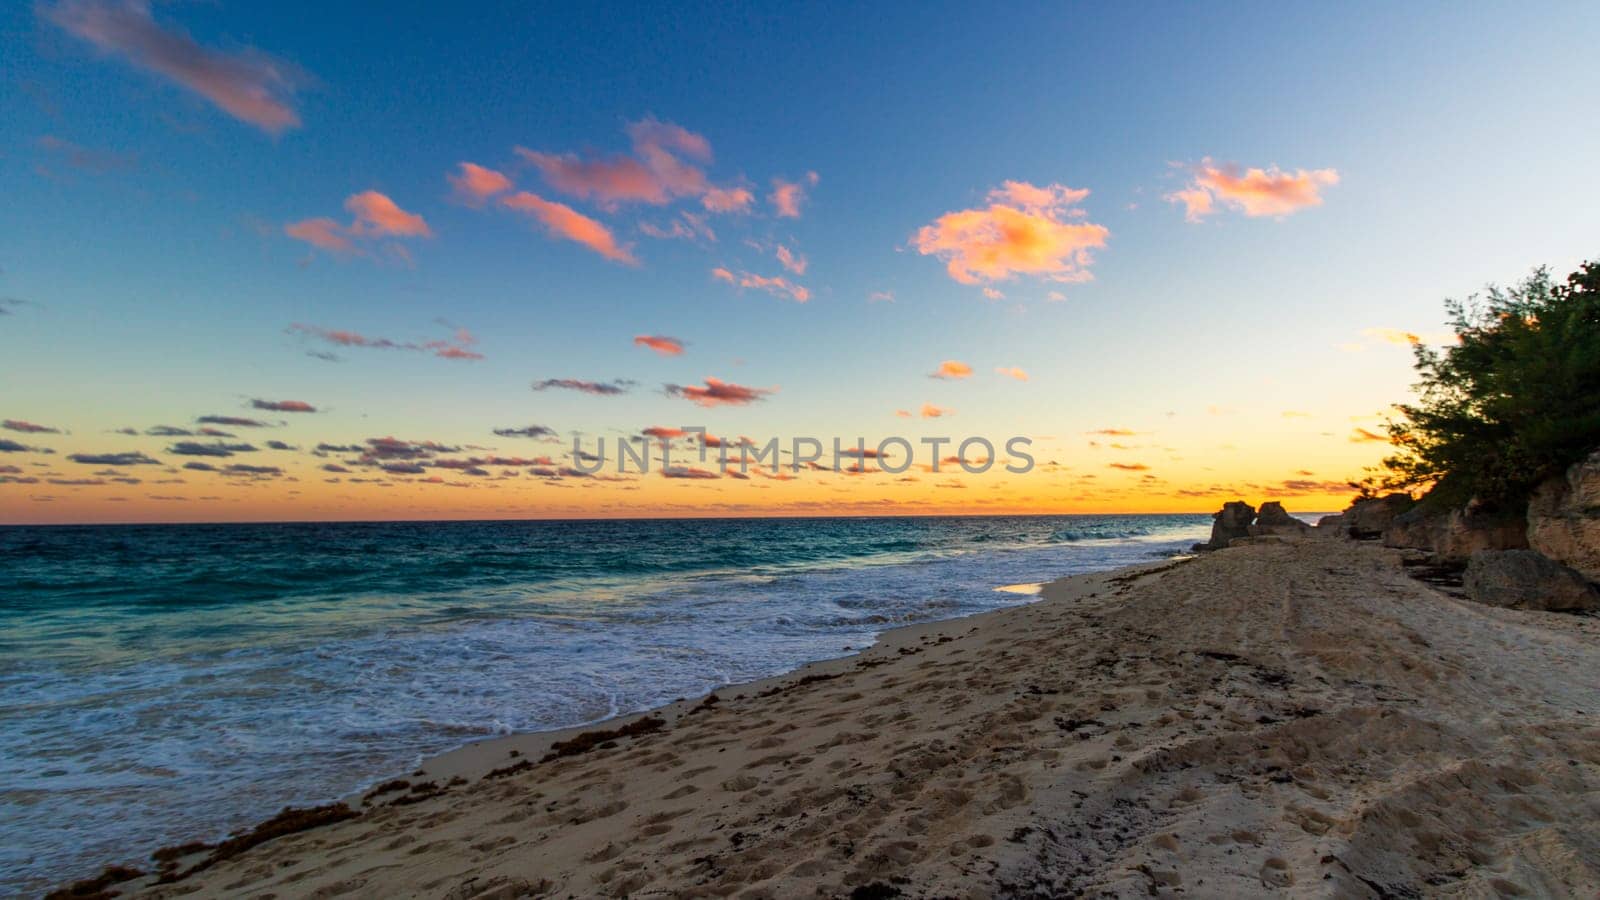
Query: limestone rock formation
point(1366, 519)
point(1233, 521)
point(1564, 517)
point(1528, 580)
point(1273, 519)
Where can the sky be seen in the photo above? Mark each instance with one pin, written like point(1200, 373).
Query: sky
point(288, 262)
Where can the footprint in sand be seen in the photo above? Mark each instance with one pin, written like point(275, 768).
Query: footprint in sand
point(1275, 873)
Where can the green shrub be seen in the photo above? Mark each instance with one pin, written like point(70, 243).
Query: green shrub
point(1515, 401)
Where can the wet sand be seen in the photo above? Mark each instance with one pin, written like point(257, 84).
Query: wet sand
point(1282, 718)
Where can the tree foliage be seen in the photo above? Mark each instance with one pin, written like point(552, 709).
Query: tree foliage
point(1514, 401)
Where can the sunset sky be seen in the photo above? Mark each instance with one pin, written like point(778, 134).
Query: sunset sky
point(1182, 248)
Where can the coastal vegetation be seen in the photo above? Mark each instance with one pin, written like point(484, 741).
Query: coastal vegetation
point(1514, 401)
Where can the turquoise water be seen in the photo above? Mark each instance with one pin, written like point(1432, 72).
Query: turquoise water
point(162, 683)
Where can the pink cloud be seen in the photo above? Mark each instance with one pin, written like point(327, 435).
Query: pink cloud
point(953, 368)
point(1254, 192)
point(648, 132)
point(719, 393)
point(787, 196)
point(660, 343)
point(654, 174)
point(323, 233)
point(475, 184)
point(564, 222)
point(778, 286)
point(458, 347)
point(376, 214)
point(792, 261)
point(248, 85)
point(930, 411)
point(1013, 372)
point(687, 226)
point(725, 200)
point(294, 406)
point(1025, 230)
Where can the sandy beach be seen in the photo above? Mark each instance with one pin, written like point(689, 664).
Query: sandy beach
point(1285, 718)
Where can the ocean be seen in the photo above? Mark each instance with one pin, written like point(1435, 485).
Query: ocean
point(165, 683)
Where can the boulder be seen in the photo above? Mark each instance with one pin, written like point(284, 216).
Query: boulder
point(1527, 579)
point(1564, 517)
point(1273, 519)
point(1232, 521)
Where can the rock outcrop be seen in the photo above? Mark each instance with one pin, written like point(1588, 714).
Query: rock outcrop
point(1528, 580)
point(1232, 521)
point(1273, 519)
point(1564, 517)
point(1452, 536)
point(1367, 519)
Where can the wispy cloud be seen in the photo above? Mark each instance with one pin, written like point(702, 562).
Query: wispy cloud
point(717, 392)
point(788, 196)
point(562, 221)
point(25, 427)
point(1129, 467)
point(778, 286)
point(1363, 436)
point(475, 184)
point(374, 216)
point(657, 171)
point(598, 388)
point(660, 343)
point(1025, 230)
point(459, 346)
point(727, 200)
point(218, 449)
point(248, 85)
point(1012, 372)
point(1254, 192)
point(233, 421)
point(288, 406)
point(132, 458)
point(688, 472)
point(527, 431)
point(1396, 337)
point(687, 226)
point(952, 368)
point(7, 445)
point(931, 411)
point(791, 260)
point(84, 159)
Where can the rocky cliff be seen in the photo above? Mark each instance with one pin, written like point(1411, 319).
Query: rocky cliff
point(1564, 517)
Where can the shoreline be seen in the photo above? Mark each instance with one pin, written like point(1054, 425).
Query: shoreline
point(473, 759)
point(1282, 716)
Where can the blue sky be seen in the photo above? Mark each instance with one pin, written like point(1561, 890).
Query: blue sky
point(159, 281)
